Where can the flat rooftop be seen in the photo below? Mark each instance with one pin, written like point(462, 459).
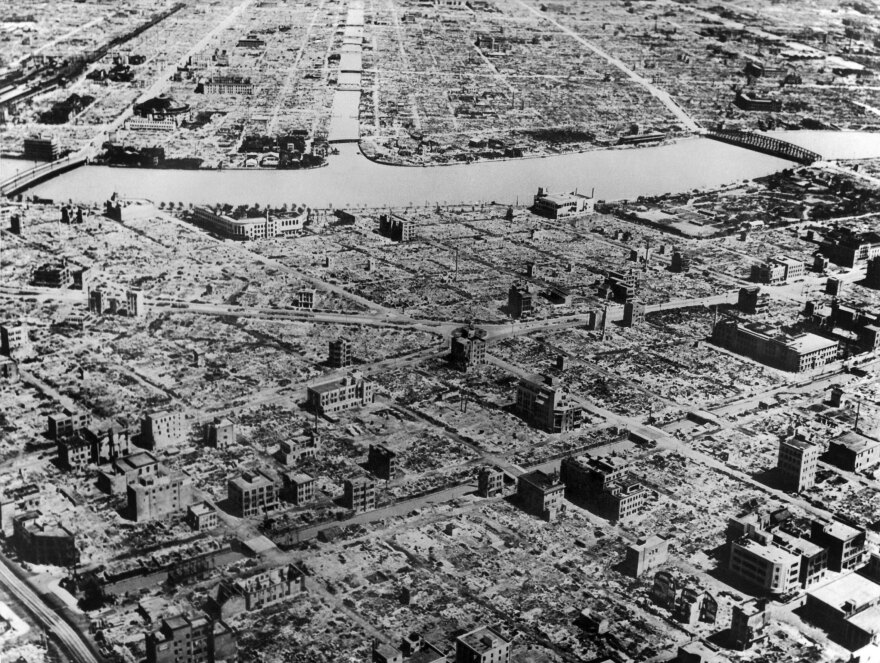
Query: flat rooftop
point(855, 442)
point(851, 588)
point(483, 639)
point(810, 343)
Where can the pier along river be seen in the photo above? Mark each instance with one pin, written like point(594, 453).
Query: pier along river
point(352, 180)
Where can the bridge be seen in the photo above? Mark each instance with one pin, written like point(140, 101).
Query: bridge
point(44, 171)
point(765, 144)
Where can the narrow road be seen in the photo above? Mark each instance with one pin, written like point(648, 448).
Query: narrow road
point(661, 95)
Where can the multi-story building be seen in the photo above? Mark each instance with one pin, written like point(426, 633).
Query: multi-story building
point(137, 307)
point(220, 433)
point(482, 645)
point(813, 558)
point(619, 286)
point(123, 471)
point(156, 496)
point(853, 452)
point(41, 149)
point(64, 424)
point(246, 229)
point(164, 428)
point(359, 494)
point(86, 446)
point(872, 277)
point(229, 85)
point(847, 248)
point(185, 639)
point(257, 591)
point(797, 463)
point(541, 493)
point(340, 353)
point(519, 302)
point(747, 624)
point(305, 298)
point(396, 228)
point(561, 205)
point(301, 448)
point(845, 544)
point(297, 487)
point(41, 541)
point(681, 262)
point(202, 516)
point(15, 500)
point(382, 462)
point(543, 403)
point(848, 608)
point(605, 484)
point(252, 494)
point(747, 102)
point(646, 554)
point(14, 340)
point(467, 348)
point(780, 269)
point(340, 394)
point(9, 371)
point(768, 346)
point(763, 565)
point(53, 275)
point(490, 482)
point(633, 313)
point(151, 123)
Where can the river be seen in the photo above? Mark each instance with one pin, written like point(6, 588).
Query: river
point(351, 180)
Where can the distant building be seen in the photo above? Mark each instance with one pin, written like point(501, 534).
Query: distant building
point(482, 645)
point(340, 394)
point(87, 446)
point(257, 591)
point(116, 477)
point(872, 279)
point(53, 275)
point(382, 462)
point(561, 205)
point(41, 149)
point(184, 639)
point(16, 500)
point(41, 541)
point(301, 448)
point(604, 483)
point(845, 544)
point(9, 371)
point(96, 301)
point(853, 452)
point(305, 298)
point(540, 493)
point(248, 228)
point(467, 348)
point(619, 286)
point(220, 433)
point(773, 348)
point(750, 300)
point(297, 487)
point(633, 313)
point(163, 429)
point(229, 85)
point(397, 228)
point(680, 262)
point(780, 269)
point(14, 340)
point(340, 353)
point(252, 494)
point(797, 464)
point(543, 403)
point(490, 482)
point(847, 248)
point(63, 424)
point(384, 653)
point(359, 494)
point(137, 307)
point(646, 554)
point(747, 102)
point(202, 516)
point(156, 496)
point(519, 302)
point(748, 624)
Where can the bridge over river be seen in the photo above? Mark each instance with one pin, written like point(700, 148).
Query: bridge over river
point(765, 144)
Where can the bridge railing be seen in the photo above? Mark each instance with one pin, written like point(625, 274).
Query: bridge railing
point(765, 144)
